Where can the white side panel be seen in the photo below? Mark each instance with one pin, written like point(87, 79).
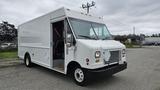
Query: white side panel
point(35, 33)
point(38, 55)
point(69, 55)
point(34, 38)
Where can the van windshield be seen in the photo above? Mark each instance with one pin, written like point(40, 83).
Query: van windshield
point(89, 30)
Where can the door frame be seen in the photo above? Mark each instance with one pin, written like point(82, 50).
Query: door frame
point(51, 42)
point(67, 48)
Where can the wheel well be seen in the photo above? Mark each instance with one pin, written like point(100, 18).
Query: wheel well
point(71, 66)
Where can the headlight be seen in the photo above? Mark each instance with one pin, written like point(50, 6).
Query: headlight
point(123, 52)
point(97, 54)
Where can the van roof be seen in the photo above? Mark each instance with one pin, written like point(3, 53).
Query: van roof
point(71, 13)
point(83, 16)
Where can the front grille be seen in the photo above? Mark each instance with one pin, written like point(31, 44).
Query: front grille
point(115, 56)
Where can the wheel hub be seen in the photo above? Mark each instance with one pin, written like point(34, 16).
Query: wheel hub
point(79, 75)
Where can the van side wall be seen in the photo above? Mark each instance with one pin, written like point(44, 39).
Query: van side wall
point(34, 38)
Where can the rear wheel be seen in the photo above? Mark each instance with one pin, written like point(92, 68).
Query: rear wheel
point(80, 76)
point(27, 61)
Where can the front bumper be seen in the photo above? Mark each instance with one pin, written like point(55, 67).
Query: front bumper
point(108, 70)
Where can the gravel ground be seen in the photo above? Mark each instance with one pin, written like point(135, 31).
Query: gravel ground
point(143, 73)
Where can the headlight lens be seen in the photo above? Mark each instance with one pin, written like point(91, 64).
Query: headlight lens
point(97, 54)
point(123, 52)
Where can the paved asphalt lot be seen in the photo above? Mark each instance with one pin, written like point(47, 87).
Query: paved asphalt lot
point(143, 73)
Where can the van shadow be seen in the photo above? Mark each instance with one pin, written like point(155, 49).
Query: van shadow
point(100, 81)
point(53, 73)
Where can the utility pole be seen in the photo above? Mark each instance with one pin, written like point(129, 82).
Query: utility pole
point(88, 6)
point(134, 30)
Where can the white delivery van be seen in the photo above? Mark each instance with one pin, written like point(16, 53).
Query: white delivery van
point(71, 43)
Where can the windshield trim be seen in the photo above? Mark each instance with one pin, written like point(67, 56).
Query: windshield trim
point(94, 32)
point(107, 31)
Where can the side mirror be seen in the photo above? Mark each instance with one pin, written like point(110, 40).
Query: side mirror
point(69, 39)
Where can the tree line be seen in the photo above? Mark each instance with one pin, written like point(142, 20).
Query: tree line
point(8, 32)
point(155, 35)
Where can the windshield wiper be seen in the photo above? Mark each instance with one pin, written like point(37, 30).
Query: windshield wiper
point(87, 37)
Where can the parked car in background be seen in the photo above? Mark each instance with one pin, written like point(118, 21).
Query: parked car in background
point(8, 46)
point(12, 45)
point(157, 43)
point(5, 45)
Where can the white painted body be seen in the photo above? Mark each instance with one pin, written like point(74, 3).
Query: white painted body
point(35, 37)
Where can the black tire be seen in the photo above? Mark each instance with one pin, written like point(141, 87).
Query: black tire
point(83, 81)
point(27, 61)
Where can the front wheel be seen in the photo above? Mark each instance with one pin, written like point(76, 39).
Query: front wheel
point(80, 76)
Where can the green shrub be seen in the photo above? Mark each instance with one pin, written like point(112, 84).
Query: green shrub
point(9, 50)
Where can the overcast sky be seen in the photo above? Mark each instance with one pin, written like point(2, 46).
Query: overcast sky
point(119, 15)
